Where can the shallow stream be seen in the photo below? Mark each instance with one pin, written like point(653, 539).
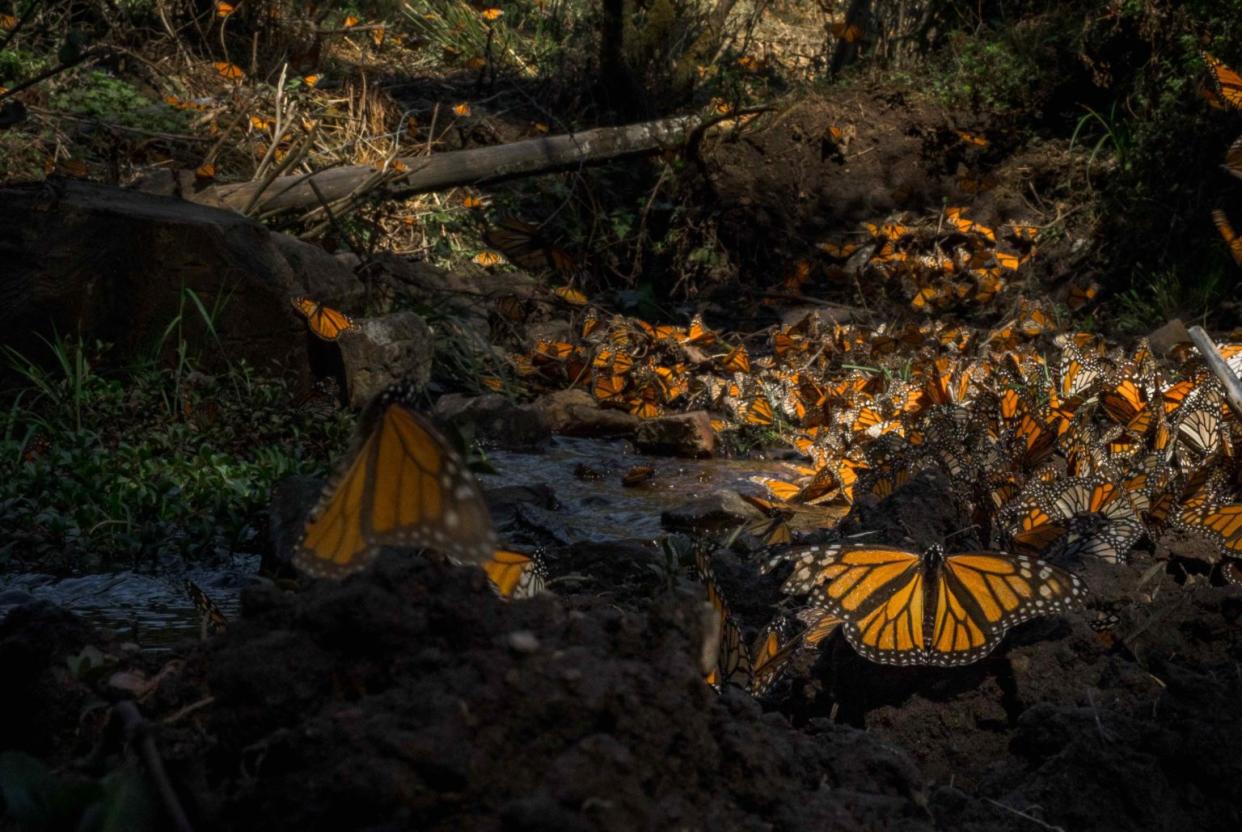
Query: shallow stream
point(585, 475)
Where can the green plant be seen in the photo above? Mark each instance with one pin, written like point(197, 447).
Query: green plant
point(996, 72)
point(1116, 133)
point(99, 95)
point(38, 799)
point(104, 465)
point(1153, 299)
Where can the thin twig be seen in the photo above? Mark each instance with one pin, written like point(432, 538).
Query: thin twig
point(189, 709)
point(138, 732)
point(1025, 816)
point(137, 131)
point(295, 155)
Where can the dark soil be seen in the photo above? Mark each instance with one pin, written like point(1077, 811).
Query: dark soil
point(411, 697)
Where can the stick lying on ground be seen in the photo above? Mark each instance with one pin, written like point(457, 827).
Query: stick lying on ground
point(445, 170)
point(1231, 383)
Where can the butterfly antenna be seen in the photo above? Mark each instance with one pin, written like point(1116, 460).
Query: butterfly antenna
point(963, 530)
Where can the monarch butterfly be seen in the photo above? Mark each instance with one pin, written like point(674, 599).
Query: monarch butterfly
point(949, 384)
point(770, 655)
point(966, 226)
point(737, 360)
point(227, 70)
point(972, 138)
point(401, 486)
point(1126, 405)
point(1175, 394)
point(613, 361)
point(609, 388)
point(515, 575)
point(1079, 372)
point(211, 617)
point(1232, 353)
point(904, 608)
point(525, 246)
point(758, 411)
point(1032, 442)
point(570, 295)
point(732, 663)
point(324, 321)
point(1227, 83)
point(819, 625)
point(698, 333)
point(1095, 516)
point(839, 251)
point(1233, 158)
point(1230, 236)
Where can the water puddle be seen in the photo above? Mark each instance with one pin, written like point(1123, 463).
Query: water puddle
point(151, 610)
point(585, 475)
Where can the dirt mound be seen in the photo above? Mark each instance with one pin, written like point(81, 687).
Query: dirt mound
point(410, 697)
point(42, 697)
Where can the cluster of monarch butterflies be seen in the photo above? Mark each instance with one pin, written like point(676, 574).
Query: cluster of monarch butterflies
point(402, 485)
point(947, 262)
point(1059, 462)
point(1226, 93)
point(758, 667)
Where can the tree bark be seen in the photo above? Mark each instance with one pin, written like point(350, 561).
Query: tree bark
point(460, 167)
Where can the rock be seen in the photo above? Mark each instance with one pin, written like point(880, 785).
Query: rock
point(493, 419)
point(455, 293)
point(396, 347)
point(681, 434)
point(117, 266)
point(617, 561)
point(292, 498)
point(716, 512)
point(575, 412)
point(523, 641)
point(507, 503)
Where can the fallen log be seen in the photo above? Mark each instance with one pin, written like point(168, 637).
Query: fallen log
point(343, 185)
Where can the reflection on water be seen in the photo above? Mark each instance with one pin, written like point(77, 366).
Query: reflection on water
point(153, 610)
point(585, 475)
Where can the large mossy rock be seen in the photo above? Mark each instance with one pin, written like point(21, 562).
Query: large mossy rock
point(123, 267)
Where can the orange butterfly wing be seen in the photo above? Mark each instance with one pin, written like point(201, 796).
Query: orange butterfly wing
point(403, 486)
point(514, 574)
point(324, 321)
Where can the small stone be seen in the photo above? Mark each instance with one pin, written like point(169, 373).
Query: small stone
point(523, 641)
point(682, 434)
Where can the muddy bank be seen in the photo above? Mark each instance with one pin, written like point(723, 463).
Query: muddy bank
point(411, 697)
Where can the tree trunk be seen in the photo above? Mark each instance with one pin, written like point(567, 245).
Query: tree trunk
point(344, 185)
